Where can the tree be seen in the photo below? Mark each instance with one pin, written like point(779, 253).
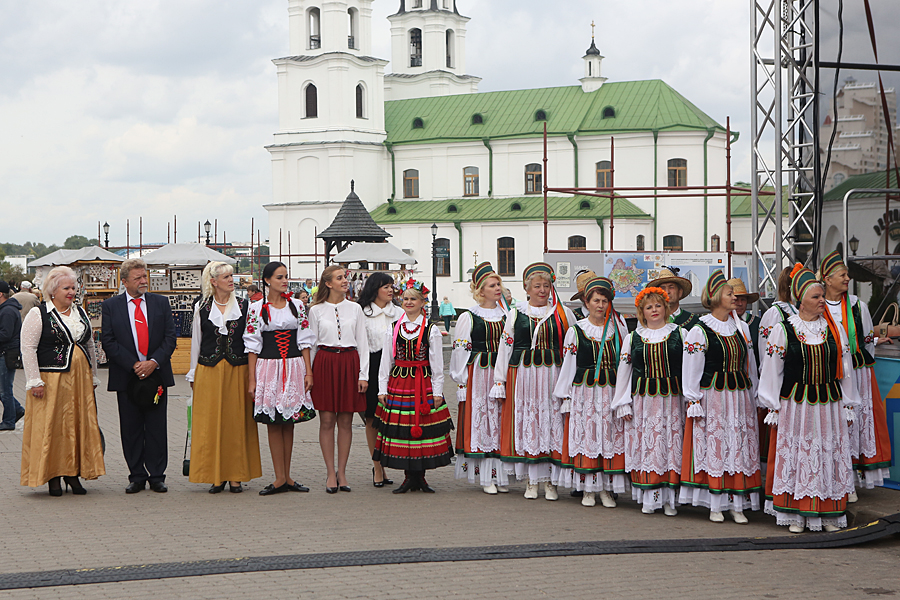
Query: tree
point(76, 242)
point(11, 274)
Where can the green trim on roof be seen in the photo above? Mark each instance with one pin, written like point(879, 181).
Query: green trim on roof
point(877, 180)
point(640, 106)
point(500, 209)
point(742, 205)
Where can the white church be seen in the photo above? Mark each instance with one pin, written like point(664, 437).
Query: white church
point(424, 146)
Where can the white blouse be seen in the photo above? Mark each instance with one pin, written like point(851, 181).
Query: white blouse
point(279, 319)
point(694, 358)
point(812, 333)
point(772, 317)
point(341, 325)
point(233, 312)
point(435, 355)
point(868, 327)
point(378, 321)
point(462, 345)
point(622, 400)
point(30, 337)
point(564, 387)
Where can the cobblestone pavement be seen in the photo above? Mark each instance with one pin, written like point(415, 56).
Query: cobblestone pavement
point(108, 528)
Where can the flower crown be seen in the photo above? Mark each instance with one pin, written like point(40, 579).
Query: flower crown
point(650, 290)
point(418, 286)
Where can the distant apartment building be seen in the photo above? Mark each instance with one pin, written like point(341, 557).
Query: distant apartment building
point(861, 144)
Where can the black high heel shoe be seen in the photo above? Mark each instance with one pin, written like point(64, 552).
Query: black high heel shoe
point(378, 484)
point(331, 490)
point(55, 487)
point(77, 488)
point(216, 489)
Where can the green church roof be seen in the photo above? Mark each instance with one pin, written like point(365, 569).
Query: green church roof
point(636, 105)
point(531, 208)
point(872, 181)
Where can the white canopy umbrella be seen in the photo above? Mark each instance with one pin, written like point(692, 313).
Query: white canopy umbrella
point(374, 253)
point(185, 255)
point(65, 256)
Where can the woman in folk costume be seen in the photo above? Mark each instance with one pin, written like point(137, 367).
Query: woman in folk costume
point(720, 457)
point(594, 455)
point(532, 431)
point(870, 444)
point(277, 340)
point(224, 438)
point(413, 419)
point(472, 366)
point(781, 309)
point(808, 384)
point(648, 398)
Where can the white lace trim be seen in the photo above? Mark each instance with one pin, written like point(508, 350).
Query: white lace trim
point(814, 329)
point(655, 335)
point(488, 314)
point(726, 328)
point(595, 332)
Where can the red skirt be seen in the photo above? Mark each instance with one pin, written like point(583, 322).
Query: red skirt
point(336, 381)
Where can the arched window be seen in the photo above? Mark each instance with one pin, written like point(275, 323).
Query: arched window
point(353, 20)
point(584, 205)
point(360, 101)
point(411, 183)
point(577, 242)
point(515, 206)
point(418, 123)
point(449, 36)
point(604, 174)
point(470, 181)
point(477, 119)
point(506, 257)
point(452, 209)
point(417, 3)
point(677, 172)
point(533, 183)
point(673, 243)
point(639, 243)
point(315, 39)
point(312, 101)
point(442, 257)
point(839, 178)
point(415, 47)
point(609, 113)
point(540, 115)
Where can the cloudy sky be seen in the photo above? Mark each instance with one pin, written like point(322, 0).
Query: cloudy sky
point(115, 109)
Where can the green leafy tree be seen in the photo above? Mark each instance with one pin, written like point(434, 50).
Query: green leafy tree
point(11, 274)
point(76, 242)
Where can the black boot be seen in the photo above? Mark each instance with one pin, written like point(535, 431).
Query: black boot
point(423, 485)
point(409, 483)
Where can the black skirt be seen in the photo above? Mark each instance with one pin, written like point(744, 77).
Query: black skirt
point(372, 390)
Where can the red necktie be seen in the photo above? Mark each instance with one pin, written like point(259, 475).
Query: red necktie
point(140, 326)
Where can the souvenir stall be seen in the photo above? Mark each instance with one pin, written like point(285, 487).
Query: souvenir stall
point(381, 257)
point(98, 279)
point(175, 273)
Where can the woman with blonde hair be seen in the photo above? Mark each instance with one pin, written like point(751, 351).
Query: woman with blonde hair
point(224, 438)
point(62, 436)
point(341, 369)
point(472, 365)
point(648, 397)
point(720, 458)
point(532, 430)
point(781, 309)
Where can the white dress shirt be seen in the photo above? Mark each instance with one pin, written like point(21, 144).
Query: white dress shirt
point(131, 311)
point(341, 325)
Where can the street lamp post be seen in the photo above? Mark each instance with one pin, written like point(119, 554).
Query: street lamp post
point(435, 317)
point(854, 246)
point(207, 226)
point(106, 235)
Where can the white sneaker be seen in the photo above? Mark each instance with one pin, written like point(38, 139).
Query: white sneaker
point(796, 528)
point(588, 499)
point(832, 528)
point(669, 510)
point(531, 491)
point(502, 489)
point(607, 500)
point(738, 517)
point(550, 492)
point(647, 510)
point(490, 489)
point(716, 516)
point(852, 497)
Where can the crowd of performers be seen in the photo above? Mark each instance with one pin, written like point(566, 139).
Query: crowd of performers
point(682, 410)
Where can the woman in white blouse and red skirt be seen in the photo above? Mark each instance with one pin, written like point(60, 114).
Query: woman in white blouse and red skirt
point(340, 369)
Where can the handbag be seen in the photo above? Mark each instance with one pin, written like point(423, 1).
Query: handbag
point(881, 328)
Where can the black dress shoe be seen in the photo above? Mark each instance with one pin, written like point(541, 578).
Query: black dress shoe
point(159, 487)
point(215, 489)
point(271, 489)
point(19, 414)
point(135, 486)
point(235, 489)
point(55, 487)
point(378, 484)
point(77, 488)
point(344, 488)
point(7, 427)
point(423, 485)
point(407, 486)
point(296, 487)
point(576, 493)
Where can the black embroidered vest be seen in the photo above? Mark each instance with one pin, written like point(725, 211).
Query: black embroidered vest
point(406, 352)
point(54, 351)
point(215, 346)
point(656, 367)
point(726, 361)
point(810, 372)
point(546, 351)
point(485, 341)
point(862, 358)
point(686, 320)
point(586, 361)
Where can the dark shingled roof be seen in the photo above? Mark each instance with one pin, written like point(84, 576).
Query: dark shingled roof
point(354, 223)
point(593, 49)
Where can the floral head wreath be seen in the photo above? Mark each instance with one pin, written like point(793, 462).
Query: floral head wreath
point(418, 286)
point(650, 290)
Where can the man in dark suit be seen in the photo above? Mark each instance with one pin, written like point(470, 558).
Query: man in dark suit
point(138, 336)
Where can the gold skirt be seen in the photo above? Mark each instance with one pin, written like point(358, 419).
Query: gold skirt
point(62, 436)
point(224, 438)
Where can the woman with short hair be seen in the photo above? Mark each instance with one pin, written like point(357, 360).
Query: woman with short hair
point(62, 436)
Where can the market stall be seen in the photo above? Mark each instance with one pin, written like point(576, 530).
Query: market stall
point(382, 257)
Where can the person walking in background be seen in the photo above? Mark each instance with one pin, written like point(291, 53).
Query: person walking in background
point(677, 288)
point(341, 370)
point(742, 301)
point(302, 296)
point(376, 300)
point(26, 298)
point(278, 338)
point(253, 293)
point(10, 329)
point(62, 436)
point(224, 438)
point(447, 313)
point(138, 336)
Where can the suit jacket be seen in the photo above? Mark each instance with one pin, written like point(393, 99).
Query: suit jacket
point(118, 341)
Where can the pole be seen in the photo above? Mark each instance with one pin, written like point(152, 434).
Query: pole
point(728, 191)
point(141, 236)
point(612, 184)
point(175, 229)
point(316, 252)
point(128, 238)
point(215, 232)
point(289, 254)
point(435, 317)
point(544, 181)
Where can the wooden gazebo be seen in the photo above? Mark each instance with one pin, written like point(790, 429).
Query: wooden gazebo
point(353, 223)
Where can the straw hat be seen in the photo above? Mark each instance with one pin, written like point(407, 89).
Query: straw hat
point(741, 290)
point(580, 281)
point(667, 275)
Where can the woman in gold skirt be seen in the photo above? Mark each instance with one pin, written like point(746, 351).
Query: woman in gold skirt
point(224, 438)
point(62, 436)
